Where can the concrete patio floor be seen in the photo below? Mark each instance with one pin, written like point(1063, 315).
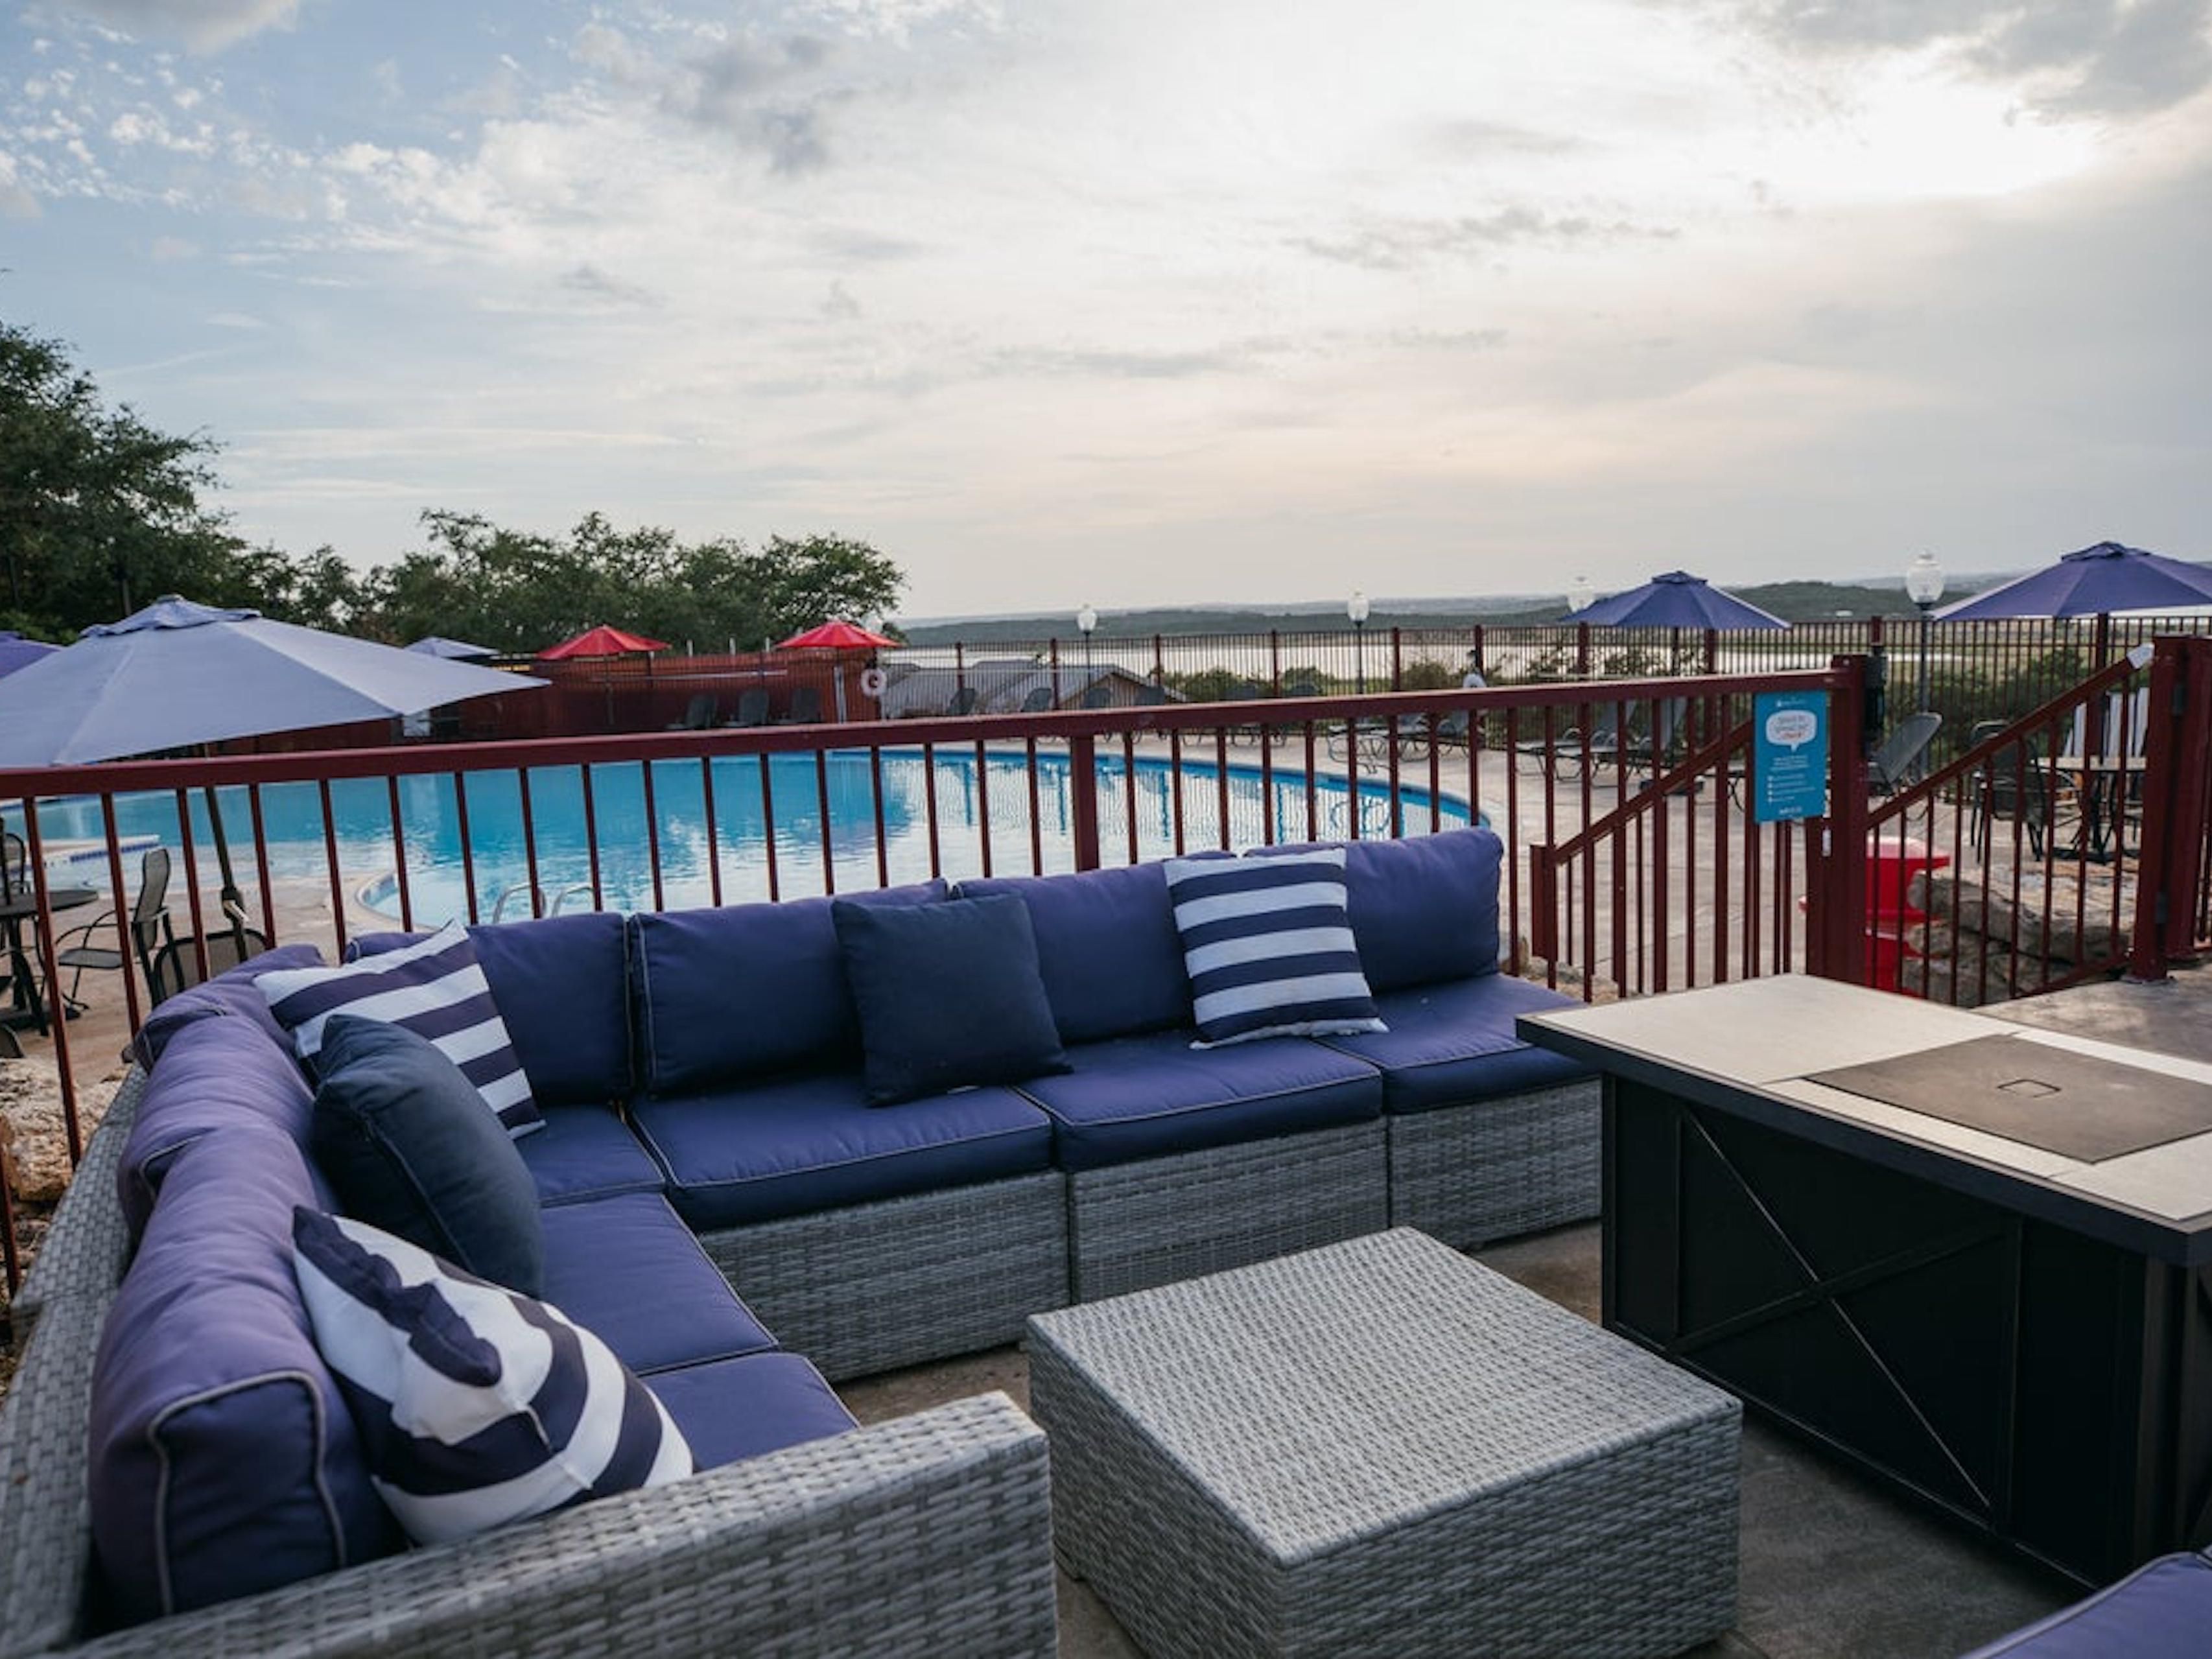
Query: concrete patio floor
point(1832, 1566)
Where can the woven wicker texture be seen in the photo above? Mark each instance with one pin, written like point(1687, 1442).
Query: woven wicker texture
point(928, 1534)
point(1135, 1225)
point(880, 1285)
point(1467, 1174)
point(86, 1246)
point(46, 1522)
point(1382, 1447)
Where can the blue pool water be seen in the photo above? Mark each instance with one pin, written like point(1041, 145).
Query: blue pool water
point(429, 825)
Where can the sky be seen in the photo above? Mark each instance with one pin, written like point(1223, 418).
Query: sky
point(1149, 302)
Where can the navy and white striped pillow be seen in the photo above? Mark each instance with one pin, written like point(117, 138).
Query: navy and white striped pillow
point(437, 990)
point(476, 1405)
point(1268, 947)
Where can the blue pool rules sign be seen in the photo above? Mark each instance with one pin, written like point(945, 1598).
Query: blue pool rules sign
point(1789, 756)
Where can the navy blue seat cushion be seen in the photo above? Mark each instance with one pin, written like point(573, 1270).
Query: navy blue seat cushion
point(948, 995)
point(586, 1151)
point(222, 1458)
point(231, 992)
point(1423, 909)
point(734, 1408)
point(746, 991)
point(811, 1142)
point(1107, 948)
point(561, 985)
point(1146, 1096)
point(214, 1074)
point(626, 1269)
point(1452, 1044)
point(406, 1144)
point(2162, 1610)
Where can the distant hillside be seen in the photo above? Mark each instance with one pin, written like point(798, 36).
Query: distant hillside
point(1792, 601)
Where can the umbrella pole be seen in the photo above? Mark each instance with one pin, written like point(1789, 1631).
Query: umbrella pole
point(233, 902)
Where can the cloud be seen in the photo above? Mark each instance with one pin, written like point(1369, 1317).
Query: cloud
point(2081, 58)
point(767, 96)
point(839, 305)
point(594, 283)
point(203, 24)
point(1401, 244)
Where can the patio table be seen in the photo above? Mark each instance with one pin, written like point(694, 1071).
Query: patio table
point(1381, 1446)
point(26, 1004)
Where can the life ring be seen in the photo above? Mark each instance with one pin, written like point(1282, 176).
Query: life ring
point(872, 682)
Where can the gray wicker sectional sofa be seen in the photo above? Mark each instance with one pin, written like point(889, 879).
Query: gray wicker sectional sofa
point(722, 1205)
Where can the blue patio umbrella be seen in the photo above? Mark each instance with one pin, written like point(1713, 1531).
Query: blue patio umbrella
point(2091, 582)
point(16, 652)
point(176, 674)
point(1675, 600)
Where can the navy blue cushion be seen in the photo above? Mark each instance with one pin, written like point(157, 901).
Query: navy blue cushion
point(629, 1271)
point(586, 1151)
point(1106, 948)
point(802, 1144)
point(408, 1146)
point(2162, 1610)
point(948, 995)
point(737, 1408)
point(214, 1074)
point(1144, 1096)
point(746, 990)
point(1423, 909)
point(231, 992)
point(1452, 1044)
point(561, 987)
point(223, 1459)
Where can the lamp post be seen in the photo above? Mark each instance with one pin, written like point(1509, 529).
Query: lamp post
point(1580, 597)
point(1923, 586)
point(1357, 608)
point(1085, 620)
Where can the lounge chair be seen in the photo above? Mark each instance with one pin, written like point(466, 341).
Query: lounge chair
point(150, 930)
point(1897, 762)
point(698, 715)
point(1565, 751)
point(806, 707)
point(176, 965)
point(1036, 700)
point(752, 707)
point(963, 701)
point(1099, 693)
point(1151, 696)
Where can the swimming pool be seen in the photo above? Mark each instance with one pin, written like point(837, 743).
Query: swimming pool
point(967, 797)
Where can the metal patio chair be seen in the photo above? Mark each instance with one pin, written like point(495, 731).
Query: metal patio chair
point(1898, 760)
point(150, 930)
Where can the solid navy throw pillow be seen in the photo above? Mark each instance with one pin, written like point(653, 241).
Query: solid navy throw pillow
point(948, 995)
point(403, 1139)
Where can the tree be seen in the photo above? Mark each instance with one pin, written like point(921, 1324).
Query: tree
point(98, 513)
point(517, 591)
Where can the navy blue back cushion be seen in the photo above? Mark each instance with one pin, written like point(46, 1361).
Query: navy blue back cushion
point(746, 990)
point(562, 989)
point(403, 1138)
point(1106, 948)
point(231, 992)
point(948, 995)
point(223, 1461)
point(214, 1074)
point(1423, 908)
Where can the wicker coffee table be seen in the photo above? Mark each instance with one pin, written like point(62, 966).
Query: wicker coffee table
point(1382, 1447)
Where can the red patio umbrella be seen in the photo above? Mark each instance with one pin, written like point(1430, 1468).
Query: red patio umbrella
point(601, 641)
point(835, 635)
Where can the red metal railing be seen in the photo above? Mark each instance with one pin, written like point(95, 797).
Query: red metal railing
point(1633, 862)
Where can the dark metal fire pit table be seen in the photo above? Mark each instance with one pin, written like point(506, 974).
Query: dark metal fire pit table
point(1967, 1255)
